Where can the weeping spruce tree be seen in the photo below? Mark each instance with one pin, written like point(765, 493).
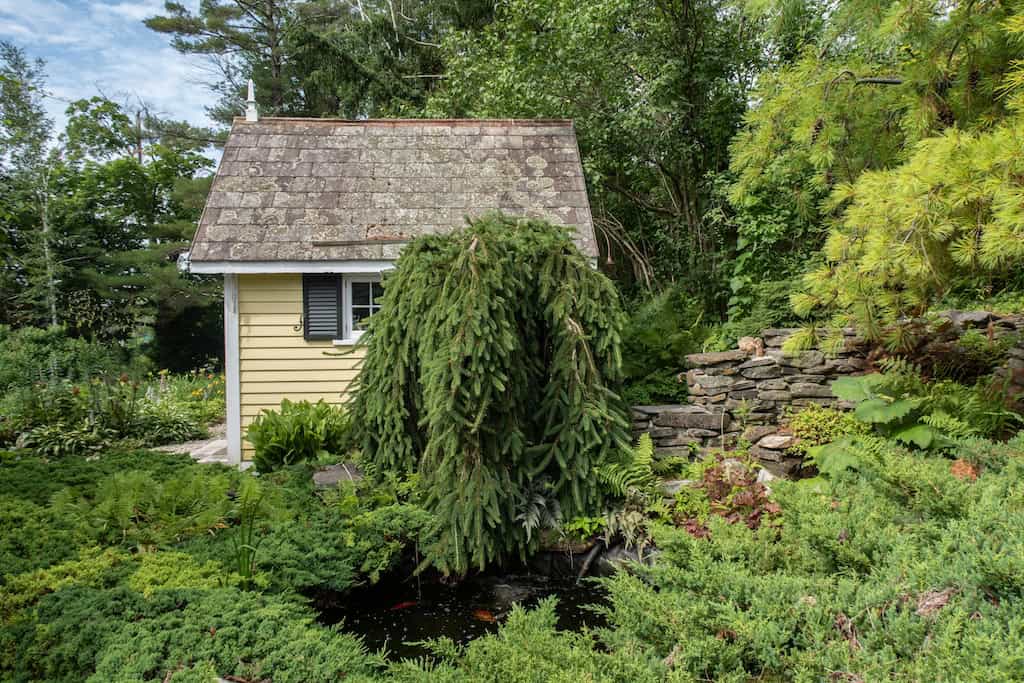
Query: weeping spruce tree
point(492, 370)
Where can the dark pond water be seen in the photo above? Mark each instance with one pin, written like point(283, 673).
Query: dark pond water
point(393, 614)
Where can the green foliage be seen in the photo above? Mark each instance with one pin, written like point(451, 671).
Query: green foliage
point(174, 571)
point(634, 472)
point(134, 508)
point(528, 649)
point(31, 355)
point(816, 425)
point(654, 341)
point(494, 362)
point(643, 82)
point(299, 431)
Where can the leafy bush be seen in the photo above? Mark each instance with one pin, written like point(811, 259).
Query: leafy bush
point(166, 422)
point(299, 431)
point(816, 425)
point(30, 355)
point(60, 439)
point(654, 341)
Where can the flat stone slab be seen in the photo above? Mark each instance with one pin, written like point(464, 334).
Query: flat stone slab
point(702, 359)
point(777, 442)
point(332, 475)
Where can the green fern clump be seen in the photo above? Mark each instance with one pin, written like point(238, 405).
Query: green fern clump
point(634, 472)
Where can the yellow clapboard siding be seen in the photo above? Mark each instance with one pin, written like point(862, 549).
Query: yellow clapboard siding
point(291, 308)
point(272, 281)
point(250, 376)
point(276, 362)
point(297, 387)
point(284, 331)
point(262, 347)
point(283, 320)
point(347, 363)
point(328, 393)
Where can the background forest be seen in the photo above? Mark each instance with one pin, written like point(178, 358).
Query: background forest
point(750, 163)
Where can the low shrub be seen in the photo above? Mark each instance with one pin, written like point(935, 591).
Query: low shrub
point(299, 431)
point(816, 425)
point(30, 355)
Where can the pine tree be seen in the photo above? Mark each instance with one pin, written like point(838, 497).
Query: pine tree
point(493, 365)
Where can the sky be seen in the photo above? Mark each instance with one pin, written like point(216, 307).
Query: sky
point(103, 47)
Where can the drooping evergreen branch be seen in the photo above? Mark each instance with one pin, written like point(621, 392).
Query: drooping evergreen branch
point(493, 365)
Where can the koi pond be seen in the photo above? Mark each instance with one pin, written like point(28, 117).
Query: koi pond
point(394, 615)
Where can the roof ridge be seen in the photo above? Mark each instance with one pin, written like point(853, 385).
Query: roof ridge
point(414, 122)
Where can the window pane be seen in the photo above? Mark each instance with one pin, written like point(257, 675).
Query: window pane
point(359, 316)
point(360, 293)
point(378, 292)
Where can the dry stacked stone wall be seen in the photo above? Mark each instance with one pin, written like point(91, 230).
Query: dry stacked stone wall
point(746, 393)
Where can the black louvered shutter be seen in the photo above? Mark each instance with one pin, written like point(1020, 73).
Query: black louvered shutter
point(321, 298)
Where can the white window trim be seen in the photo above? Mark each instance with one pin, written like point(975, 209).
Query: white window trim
point(349, 335)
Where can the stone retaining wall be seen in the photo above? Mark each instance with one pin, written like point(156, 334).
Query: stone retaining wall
point(746, 393)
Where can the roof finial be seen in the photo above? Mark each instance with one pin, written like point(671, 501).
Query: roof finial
point(251, 114)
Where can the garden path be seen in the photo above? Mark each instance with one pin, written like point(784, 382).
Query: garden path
point(212, 449)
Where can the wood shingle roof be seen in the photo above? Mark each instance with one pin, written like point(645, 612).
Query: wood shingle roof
point(325, 190)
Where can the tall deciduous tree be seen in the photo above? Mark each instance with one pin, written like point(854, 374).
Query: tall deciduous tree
point(657, 89)
point(30, 169)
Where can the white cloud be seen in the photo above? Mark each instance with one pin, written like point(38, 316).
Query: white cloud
point(94, 47)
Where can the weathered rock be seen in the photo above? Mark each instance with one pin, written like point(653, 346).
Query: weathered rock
point(766, 454)
point(762, 372)
point(783, 468)
point(755, 433)
point(703, 359)
point(332, 475)
point(774, 395)
point(673, 451)
point(815, 401)
point(745, 395)
point(678, 440)
point(653, 410)
point(690, 417)
point(804, 359)
point(808, 390)
point(701, 433)
point(773, 385)
point(756, 362)
point(777, 442)
point(800, 377)
point(670, 487)
point(661, 432)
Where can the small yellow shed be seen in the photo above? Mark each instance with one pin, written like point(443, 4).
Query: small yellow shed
point(306, 215)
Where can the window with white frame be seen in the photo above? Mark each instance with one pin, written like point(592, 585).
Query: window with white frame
point(337, 307)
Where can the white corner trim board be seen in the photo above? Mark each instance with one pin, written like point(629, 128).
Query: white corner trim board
point(232, 383)
point(258, 267)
